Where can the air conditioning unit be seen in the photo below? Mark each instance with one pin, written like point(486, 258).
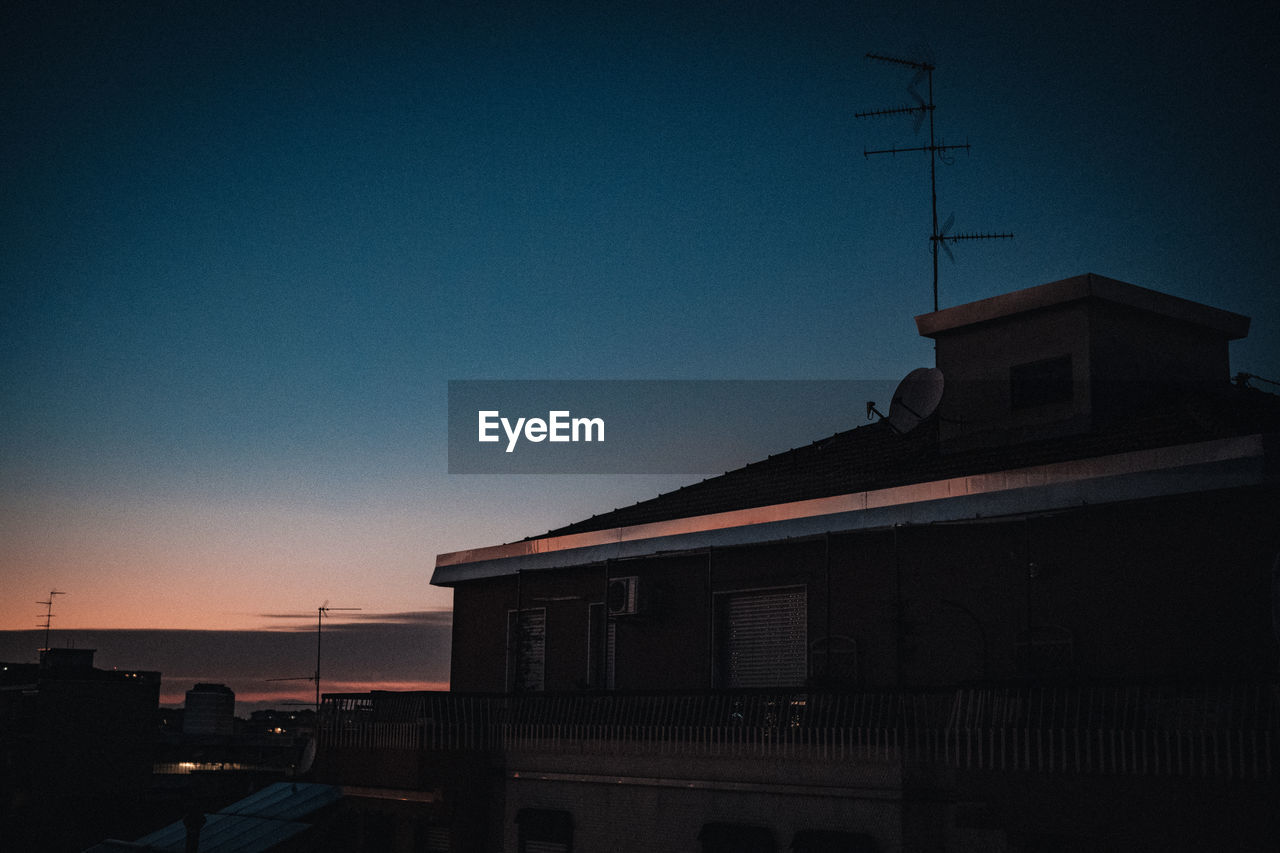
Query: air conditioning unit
point(623, 596)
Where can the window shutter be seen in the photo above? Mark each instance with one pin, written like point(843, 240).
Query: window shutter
point(764, 641)
point(526, 649)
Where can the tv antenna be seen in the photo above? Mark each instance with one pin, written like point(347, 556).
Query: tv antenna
point(48, 615)
point(321, 611)
point(937, 151)
point(298, 678)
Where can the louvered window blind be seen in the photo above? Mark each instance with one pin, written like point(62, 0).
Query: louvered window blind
point(764, 638)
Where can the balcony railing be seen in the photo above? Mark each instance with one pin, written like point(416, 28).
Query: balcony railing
point(1224, 731)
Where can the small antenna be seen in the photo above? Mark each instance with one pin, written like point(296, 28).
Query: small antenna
point(48, 616)
point(936, 151)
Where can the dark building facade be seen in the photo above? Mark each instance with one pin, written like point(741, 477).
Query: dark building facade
point(1038, 616)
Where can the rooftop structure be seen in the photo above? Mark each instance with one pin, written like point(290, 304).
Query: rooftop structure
point(1037, 616)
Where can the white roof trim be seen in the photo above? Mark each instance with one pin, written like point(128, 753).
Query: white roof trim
point(1210, 464)
point(1088, 286)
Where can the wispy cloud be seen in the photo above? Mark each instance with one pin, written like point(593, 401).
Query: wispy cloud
point(286, 695)
point(341, 619)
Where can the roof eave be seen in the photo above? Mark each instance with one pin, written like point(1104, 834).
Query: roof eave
point(1202, 466)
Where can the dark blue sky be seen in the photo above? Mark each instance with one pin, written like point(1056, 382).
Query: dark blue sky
point(247, 244)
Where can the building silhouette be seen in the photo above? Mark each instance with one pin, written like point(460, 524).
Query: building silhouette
point(210, 709)
point(1038, 616)
point(75, 747)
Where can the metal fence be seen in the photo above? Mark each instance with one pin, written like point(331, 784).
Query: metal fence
point(1223, 731)
point(1215, 730)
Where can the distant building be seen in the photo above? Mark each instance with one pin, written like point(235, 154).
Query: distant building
point(1036, 616)
point(221, 760)
point(210, 710)
point(276, 723)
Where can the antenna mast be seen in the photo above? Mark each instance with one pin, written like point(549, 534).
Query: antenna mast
point(48, 615)
point(936, 151)
point(320, 613)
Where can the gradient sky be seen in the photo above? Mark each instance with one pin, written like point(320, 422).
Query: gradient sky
point(246, 245)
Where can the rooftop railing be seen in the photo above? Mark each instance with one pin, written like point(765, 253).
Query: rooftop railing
point(1225, 731)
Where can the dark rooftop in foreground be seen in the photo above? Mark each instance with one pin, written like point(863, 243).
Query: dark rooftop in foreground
point(266, 820)
point(1079, 368)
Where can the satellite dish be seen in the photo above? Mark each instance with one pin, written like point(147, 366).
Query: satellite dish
point(917, 398)
point(308, 755)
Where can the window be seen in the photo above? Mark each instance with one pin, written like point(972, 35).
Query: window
point(834, 660)
point(736, 838)
point(545, 831)
point(1045, 651)
point(761, 638)
point(433, 839)
point(832, 841)
point(1038, 383)
point(526, 649)
point(602, 640)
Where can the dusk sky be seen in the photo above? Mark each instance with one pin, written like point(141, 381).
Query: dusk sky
point(246, 246)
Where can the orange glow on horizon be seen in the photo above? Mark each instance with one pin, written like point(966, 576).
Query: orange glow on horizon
point(207, 563)
point(177, 696)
